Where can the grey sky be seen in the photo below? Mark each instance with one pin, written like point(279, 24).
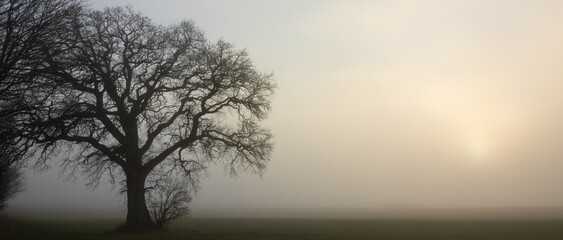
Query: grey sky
point(383, 104)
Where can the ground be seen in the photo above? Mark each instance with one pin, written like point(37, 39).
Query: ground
point(254, 229)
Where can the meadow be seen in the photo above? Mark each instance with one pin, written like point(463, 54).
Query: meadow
point(254, 229)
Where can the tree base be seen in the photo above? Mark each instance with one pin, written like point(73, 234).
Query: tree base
point(125, 229)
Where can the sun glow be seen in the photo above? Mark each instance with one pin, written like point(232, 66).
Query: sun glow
point(478, 149)
point(480, 142)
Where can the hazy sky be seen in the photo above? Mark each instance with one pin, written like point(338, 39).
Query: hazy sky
point(383, 104)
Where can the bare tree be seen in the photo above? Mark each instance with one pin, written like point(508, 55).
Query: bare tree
point(125, 96)
point(168, 198)
point(26, 27)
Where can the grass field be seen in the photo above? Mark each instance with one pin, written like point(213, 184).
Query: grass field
point(253, 229)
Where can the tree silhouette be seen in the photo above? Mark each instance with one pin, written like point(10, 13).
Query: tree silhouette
point(125, 96)
point(10, 182)
point(26, 28)
point(168, 198)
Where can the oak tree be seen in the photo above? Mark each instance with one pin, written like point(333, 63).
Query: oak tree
point(124, 96)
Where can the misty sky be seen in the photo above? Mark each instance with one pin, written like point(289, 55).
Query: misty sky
point(382, 104)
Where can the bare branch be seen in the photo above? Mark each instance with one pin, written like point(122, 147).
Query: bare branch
point(124, 93)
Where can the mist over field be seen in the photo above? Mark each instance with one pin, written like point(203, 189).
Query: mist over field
point(384, 109)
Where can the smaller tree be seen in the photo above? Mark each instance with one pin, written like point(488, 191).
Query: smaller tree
point(168, 199)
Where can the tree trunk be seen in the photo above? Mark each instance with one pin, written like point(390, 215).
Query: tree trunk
point(138, 216)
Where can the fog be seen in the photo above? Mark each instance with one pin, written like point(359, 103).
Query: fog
point(384, 108)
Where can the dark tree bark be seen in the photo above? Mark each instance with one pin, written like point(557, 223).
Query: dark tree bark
point(137, 211)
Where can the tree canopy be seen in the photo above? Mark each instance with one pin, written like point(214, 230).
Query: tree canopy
point(124, 96)
point(26, 28)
